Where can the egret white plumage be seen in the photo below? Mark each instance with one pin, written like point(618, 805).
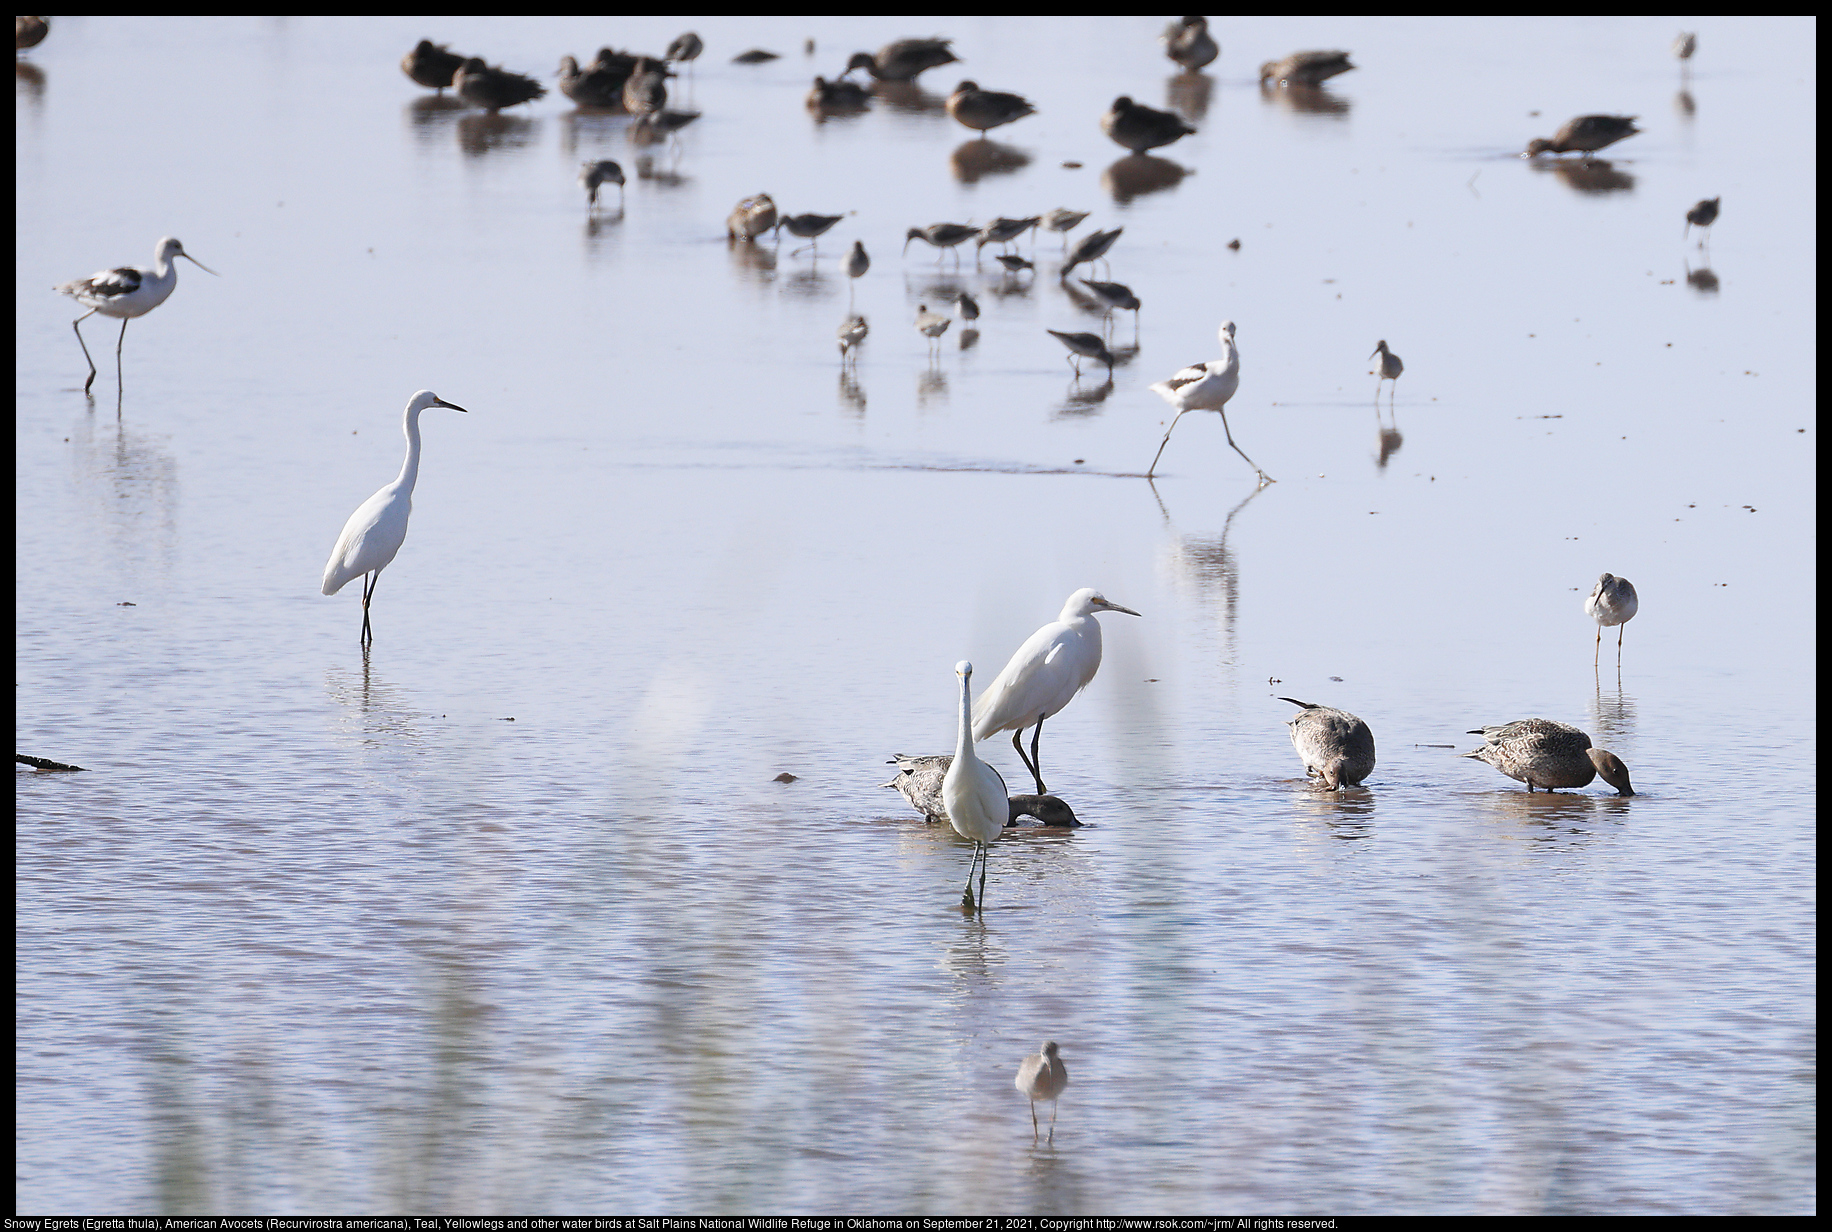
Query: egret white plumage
point(1054, 664)
point(127, 291)
point(377, 529)
point(973, 793)
point(1205, 387)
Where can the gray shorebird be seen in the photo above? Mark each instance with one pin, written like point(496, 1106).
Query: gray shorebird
point(751, 217)
point(1115, 297)
point(1546, 754)
point(1091, 247)
point(1388, 369)
point(809, 226)
point(126, 292)
point(1612, 601)
point(482, 85)
point(1189, 43)
point(1140, 128)
point(1702, 215)
point(941, 236)
point(931, 325)
point(1005, 230)
point(852, 332)
point(903, 59)
point(1042, 1075)
point(919, 780)
point(1205, 387)
point(1305, 68)
point(1091, 345)
point(1585, 134)
point(1064, 221)
point(840, 95)
point(663, 125)
point(593, 176)
point(982, 110)
point(1336, 746)
point(1684, 44)
point(429, 64)
point(686, 48)
point(1014, 264)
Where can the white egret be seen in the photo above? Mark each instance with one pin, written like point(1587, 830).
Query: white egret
point(973, 793)
point(377, 529)
point(1205, 387)
point(127, 292)
point(1042, 1075)
point(1612, 601)
point(1053, 665)
point(1547, 754)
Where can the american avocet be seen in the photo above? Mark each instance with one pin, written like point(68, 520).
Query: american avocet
point(982, 110)
point(1005, 230)
point(1612, 601)
point(483, 85)
point(851, 333)
point(1042, 1075)
point(1205, 387)
point(941, 236)
point(1090, 248)
point(29, 32)
point(429, 64)
point(1388, 369)
point(596, 85)
point(1336, 746)
point(1091, 345)
point(919, 780)
point(903, 59)
point(1305, 68)
point(377, 529)
point(647, 88)
point(1140, 128)
point(972, 793)
point(592, 176)
point(1189, 42)
point(127, 292)
point(1702, 215)
point(1115, 297)
point(840, 95)
point(809, 226)
point(1545, 754)
point(1064, 221)
point(1044, 675)
point(931, 325)
point(751, 217)
point(1585, 134)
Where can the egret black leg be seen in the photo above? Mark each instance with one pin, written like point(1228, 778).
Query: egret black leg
point(369, 585)
point(1036, 762)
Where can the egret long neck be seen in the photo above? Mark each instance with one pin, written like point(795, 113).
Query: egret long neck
point(963, 744)
point(410, 468)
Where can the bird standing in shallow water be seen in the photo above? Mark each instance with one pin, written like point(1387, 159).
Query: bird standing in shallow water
point(429, 64)
point(903, 59)
point(1702, 215)
point(1585, 134)
point(1140, 128)
point(1205, 387)
point(1189, 43)
point(1042, 1075)
point(377, 529)
point(1090, 248)
point(982, 110)
point(1388, 369)
point(126, 292)
point(919, 780)
point(941, 236)
point(973, 794)
point(1336, 746)
point(1612, 601)
point(1684, 44)
point(593, 176)
point(931, 325)
point(1091, 345)
point(851, 333)
point(751, 217)
point(1044, 675)
point(1064, 221)
point(480, 85)
point(1305, 68)
point(1546, 754)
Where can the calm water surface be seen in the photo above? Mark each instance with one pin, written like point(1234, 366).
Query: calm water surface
point(511, 914)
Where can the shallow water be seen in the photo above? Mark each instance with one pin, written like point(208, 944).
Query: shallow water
point(511, 914)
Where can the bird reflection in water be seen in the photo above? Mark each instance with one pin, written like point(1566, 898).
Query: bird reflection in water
point(973, 160)
point(1188, 94)
point(651, 172)
point(1701, 279)
point(1593, 176)
point(1210, 566)
point(485, 132)
point(931, 386)
point(757, 261)
point(1390, 441)
point(1085, 401)
point(1306, 100)
point(852, 394)
point(909, 98)
point(1138, 174)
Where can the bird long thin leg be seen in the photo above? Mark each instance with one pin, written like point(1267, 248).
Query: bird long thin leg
point(1052, 1120)
point(1161, 444)
point(967, 899)
point(369, 586)
point(984, 852)
point(1036, 762)
point(1017, 742)
point(1620, 630)
point(79, 342)
point(1596, 660)
point(1264, 477)
point(118, 342)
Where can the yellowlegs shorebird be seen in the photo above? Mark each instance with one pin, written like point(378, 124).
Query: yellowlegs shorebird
point(1080, 344)
point(942, 236)
point(1090, 248)
point(1702, 216)
point(1042, 1075)
point(1388, 369)
point(1612, 601)
point(593, 176)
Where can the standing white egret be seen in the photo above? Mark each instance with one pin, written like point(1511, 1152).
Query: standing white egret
point(127, 292)
point(1042, 1075)
point(1054, 664)
point(377, 529)
point(973, 793)
point(1612, 601)
point(1205, 387)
